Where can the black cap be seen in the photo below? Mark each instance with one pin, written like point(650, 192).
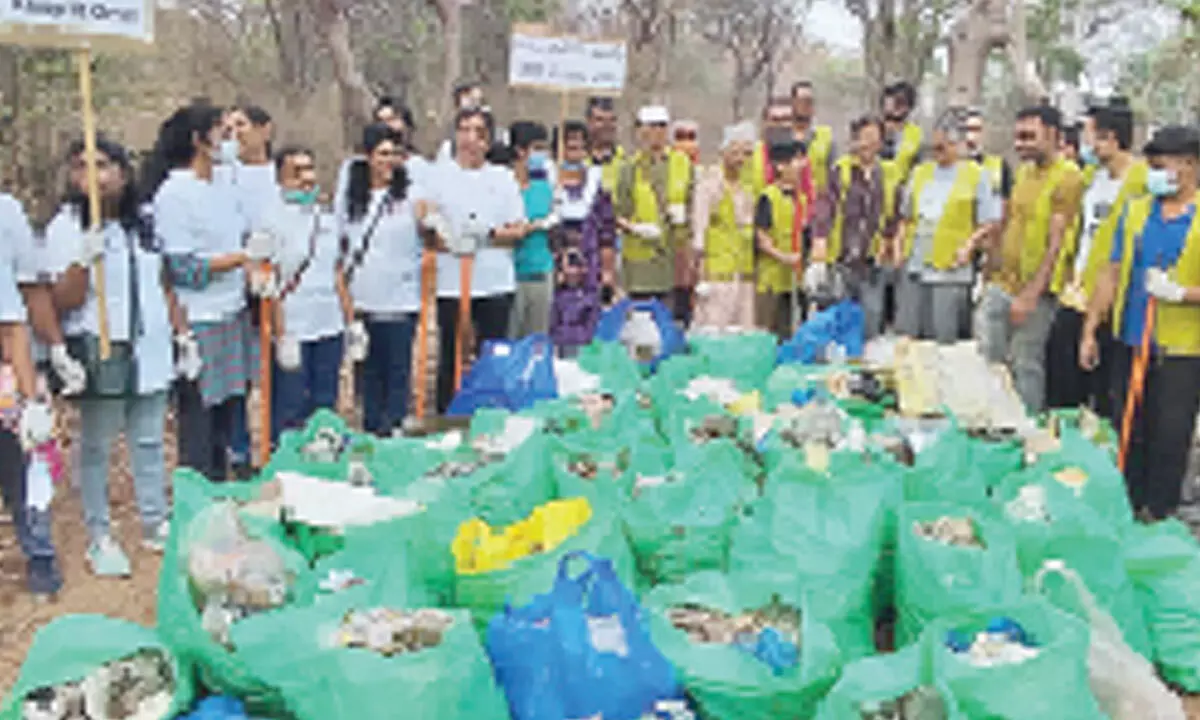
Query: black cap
point(1174, 140)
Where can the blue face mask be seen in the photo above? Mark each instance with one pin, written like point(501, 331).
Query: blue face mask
point(537, 160)
point(1087, 155)
point(302, 197)
point(1161, 183)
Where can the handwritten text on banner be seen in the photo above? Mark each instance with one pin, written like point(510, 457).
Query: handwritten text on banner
point(127, 19)
point(566, 63)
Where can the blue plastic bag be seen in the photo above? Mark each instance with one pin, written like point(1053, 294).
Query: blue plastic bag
point(841, 324)
point(580, 650)
point(217, 707)
point(512, 375)
point(613, 321)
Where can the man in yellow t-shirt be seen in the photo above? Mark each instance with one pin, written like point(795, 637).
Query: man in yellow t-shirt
point(1017, 308)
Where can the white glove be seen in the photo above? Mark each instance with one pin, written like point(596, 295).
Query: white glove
point(187, 357)
point(263, 283)
point(357, 341)
point(93, 248)
point(287, 353)
point(1161, 286)
point(815, 275)
point(549, 222)
point(647, 231)
point(69, 370)
point(37, 425)
point(677, 213)
point(438, 223)
point(260, 245)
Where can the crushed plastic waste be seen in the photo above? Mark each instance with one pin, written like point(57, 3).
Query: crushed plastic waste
point(591, 468)
point(1002, 642)
point(771, 633)
point(326, 446)
point(516, 431)
point(722, 391)
point(454, 469)
point(392, 632)
point(574, 380)
point(233, 576)
point(334, 505)
point(923, 703)
point(1072, 477)
point(959, 531)
point(139, 687)
point(338, 580)
point(1029, 505)
point(641, 336)
point(359, 475)
point(856, 383)
point(714, 427)
point(815, 422)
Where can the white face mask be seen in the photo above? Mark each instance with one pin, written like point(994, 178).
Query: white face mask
point(227, 152)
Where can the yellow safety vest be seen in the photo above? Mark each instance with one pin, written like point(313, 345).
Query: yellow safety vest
point(1176, 325)
point(774, 276)
point(906, 152)
point(646, 209)
point(818, 156)
point(1036, 233)
point(891, 181)
point(957, 221)
point(611, 171)
point(728, 247)
point(1099, 254)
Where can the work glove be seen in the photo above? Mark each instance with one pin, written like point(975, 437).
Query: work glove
point(357, 341)
point(260, 245)
point(287, 353)
point(816, 275)
point(1161, 286)
point(70, 371)
point(187, 357)
point(647, 231)
point(263, 283)
point(36, 426)
point(547, 223)
point(438, 223)
point(92, 248)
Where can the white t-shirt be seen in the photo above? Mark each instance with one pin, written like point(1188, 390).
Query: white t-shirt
point(489, 197)
point(388, 279)
point(1098, 203)
point(256, 188)
point(311, 309)
point(16, 247)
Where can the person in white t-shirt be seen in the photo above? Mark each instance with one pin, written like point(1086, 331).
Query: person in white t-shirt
point(313, 308)
point(381, 259)
point(485, 216)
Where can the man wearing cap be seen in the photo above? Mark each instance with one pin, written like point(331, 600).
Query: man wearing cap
point(1029, 269)
point(605, 153)
point(817, 138)
point(1155, 265)
point(653, 206)
point(685, 137)
point(722, 236)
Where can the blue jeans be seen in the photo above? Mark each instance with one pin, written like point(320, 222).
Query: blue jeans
point(143, 419)
point(239, 432)
point(32, 526)
point(297, 393)
point(383, 378)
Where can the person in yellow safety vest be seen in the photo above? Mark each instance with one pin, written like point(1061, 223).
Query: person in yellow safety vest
point(723, 237)
point(1156, 254)
point(1017, 307)
point(603, 149)
point(817, 138)
point(1112, 176)
point(996, 169)
point(902, 138)
point(777, 228)
point(853, 216)
point(653, 207)
point(758, 173)
point(685, 137)
point(948, 210)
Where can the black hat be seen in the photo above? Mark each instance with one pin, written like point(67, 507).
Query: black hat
point(1174, 140)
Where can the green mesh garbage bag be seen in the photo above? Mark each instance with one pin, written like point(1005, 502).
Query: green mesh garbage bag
point(693, 426)
point(296, 650)
point(1163, 561)
point(486, 593)
point(447, 503)
point(1092, 474)
point(946, 471)
point(1053, 684)
point(619, 373)
point(935, 578)
point(746, 358)
point(785, 380)
point(400, 461)
point(680, 522)
point(291, 456)
point(604, 468)
point(218, 668)
point(71, 647)
point(1048, 521)
point(900, 681)
point(377, 560)
point(824, 534)
point(727, 682)
point(672, 376)
point(508, 490)
point(1090, 426)
point(996, 459)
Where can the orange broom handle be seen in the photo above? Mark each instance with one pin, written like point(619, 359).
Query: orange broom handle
point(1137, 382)
point(466, 267)
point(428, 278)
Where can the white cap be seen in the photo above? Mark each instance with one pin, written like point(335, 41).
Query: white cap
point(742, 132)
point(653, 114)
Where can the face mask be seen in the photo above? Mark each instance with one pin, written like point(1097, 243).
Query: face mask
point(1087, 155)
point(302, 197)
point(227, 152)
point(1161, 183)
point(537, 160)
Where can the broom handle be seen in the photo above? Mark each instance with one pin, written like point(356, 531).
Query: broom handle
point(1137, 381)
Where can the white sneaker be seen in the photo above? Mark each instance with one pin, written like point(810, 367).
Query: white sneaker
point(107, 559)
point(155, 540)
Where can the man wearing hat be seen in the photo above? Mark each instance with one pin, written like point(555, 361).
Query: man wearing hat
point(1152, 285)
point(653, 207)
point(685, 137)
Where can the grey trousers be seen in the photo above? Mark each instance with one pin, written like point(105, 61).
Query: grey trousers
point(531, 308)
point(931, 311)
point(869, 286)
point(1021, 348)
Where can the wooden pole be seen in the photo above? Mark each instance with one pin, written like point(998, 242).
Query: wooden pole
point(1137, 382)
point(265, 333)
point(428, 297)
point(83, 58)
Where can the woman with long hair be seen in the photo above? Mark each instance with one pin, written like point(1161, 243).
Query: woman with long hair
point(200, 230)
point(381, 263)
point(128, 391)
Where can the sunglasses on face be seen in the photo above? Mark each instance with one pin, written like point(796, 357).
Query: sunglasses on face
point(1027, 135)
point(685, 135)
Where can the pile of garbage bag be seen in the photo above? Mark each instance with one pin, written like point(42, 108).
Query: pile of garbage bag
point(663, 527)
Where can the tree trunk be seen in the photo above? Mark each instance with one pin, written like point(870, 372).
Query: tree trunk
point(739, 87)
point(449, 12)
point(1028, 81)
point(356, 99)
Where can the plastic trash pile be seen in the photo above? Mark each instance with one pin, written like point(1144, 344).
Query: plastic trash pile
point(771, 633)
point(958, 531)
point(921, 703)
point(1004, 642)
point(478, 548)
point(139, 687)
point(641, 336)
point(393, 632)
